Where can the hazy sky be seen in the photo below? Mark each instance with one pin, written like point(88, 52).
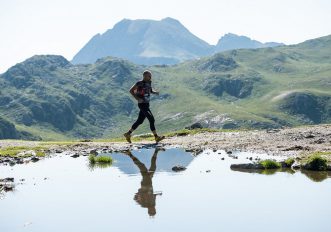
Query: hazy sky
point(62, 27)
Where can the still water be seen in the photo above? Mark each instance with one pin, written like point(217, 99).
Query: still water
point(140, 192)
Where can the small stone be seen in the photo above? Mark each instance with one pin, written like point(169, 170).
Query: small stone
point(222, 158)
point(296, 165)
point(207, 171)
point(8, 179)
point(7, 188)
point(94, 152)
point(178, 168)
point(19, 161)
point(309, 136)
point(75, 156)
point(319, 141)
point(35, 159)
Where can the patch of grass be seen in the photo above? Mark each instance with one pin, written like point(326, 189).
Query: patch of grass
point(270, 164)
point(14, 151)
point(289, 162)
point(40, 154)
point(100, 159)
point(316, 162)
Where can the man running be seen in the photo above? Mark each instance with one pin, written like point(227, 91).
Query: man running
point(141, 91)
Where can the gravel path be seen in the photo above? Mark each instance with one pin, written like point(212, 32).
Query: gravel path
point(289, 141)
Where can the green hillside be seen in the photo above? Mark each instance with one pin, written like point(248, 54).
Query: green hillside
point(49, 97)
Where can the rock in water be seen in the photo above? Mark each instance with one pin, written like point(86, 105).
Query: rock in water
point(178, 168)
point(8, 179)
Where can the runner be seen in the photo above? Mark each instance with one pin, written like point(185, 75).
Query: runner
point(142, 91)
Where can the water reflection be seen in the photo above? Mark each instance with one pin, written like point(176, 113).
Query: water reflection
point(165, 160)
point(146, 197)
point(95, 165)
point(316, 176)
point(264, 171)
point(157, 159)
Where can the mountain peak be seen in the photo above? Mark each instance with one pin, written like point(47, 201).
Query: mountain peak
point(232, 41)
point(170, 20)
point(145, 41)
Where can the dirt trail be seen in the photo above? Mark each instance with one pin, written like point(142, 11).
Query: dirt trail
point(289, 141)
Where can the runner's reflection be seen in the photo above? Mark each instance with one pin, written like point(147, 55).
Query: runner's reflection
point(145, 195)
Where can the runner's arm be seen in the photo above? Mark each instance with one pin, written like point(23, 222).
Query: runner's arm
point(132, 91)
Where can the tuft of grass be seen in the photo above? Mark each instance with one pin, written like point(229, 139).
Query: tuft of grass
point(270, 164)
point(100, 159)
point(289, 162)
point(91, 158)
point(40, 154)
point(316, 162)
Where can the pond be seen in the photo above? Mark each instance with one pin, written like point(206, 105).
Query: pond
point(140, 192)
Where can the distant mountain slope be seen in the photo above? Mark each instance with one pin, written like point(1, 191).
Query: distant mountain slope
point(231, 41)
point(49, 97)
point(145, 42)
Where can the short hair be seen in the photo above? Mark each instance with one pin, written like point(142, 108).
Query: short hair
point(147, 72)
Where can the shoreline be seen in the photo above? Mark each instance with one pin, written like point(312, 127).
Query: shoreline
point(289, 142)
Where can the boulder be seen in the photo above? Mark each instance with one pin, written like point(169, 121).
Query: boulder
point(178, 168)
point(196, 125)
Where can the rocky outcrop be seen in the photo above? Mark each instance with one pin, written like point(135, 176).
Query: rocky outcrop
point(217, 63)
point(311, 107)
point(239, 86)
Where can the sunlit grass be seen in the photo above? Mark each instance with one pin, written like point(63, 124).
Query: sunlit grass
point(100, 159)
point(289, 162)
point(270, 164)
point(316, 162)
point(16, 150)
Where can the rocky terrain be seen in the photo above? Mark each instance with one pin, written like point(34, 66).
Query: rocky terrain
point(289, 142)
